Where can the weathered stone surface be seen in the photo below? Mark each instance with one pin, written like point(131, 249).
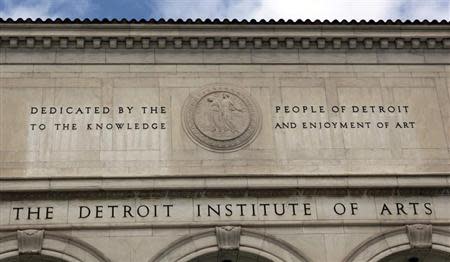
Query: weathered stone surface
point(420, 236)
point(154, 142)
point(262, 210)
point(228, 237)
point(367, 150)
point(30, 241)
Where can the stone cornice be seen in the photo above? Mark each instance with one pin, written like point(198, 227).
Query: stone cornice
point(247, 224)
point(224, 36)
point(211, 193)
point(333, 184)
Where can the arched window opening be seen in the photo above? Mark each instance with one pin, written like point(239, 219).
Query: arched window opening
point(230, 256)
point(418, 255)
point(32, 258)
point(411, 243)
point(253, 246)
point(39, 246)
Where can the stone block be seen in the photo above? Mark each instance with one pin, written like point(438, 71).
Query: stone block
point(81, 56)
point(2, 55)
point(16, 133)
point(284, 68)
point(358, 57)
point(105, 68)
point(321, 57)
point(197, 68)
point(337, 249)
point(283, 56)
point(56, 68)
point(375, 68)
point(422, 136)
point(153, 68)
point(133, 56)
point(181, 56)
point(395, 57)
point(227, 56)
point(440, 56)
point(78, 82)
point(240, 68)
point(24, 56)
point(422, 68)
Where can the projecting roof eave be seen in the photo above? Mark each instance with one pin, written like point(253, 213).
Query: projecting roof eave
point(227, 33)
point(216, 23)
point(224, 21)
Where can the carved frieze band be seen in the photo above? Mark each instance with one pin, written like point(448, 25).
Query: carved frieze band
point(419, 235)
point(30, 241)
point(225, 42)
point(228, 237)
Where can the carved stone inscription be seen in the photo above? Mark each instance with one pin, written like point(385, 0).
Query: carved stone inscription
point(73, 118)
point(374, 116)
point(221, 209)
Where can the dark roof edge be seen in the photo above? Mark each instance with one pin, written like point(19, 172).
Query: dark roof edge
point(223, 21)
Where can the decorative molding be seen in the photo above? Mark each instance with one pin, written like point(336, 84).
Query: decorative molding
point(221, 119)
point(419, 235)
point(257, 43)
point(337, 43)
point(209, 43)
point(178, 43)
point(13, 42)
point(225, 43)
point(431, 43)
point(129, 43)
point(161, 43)
point(96, 43)
point(113, 43)
point(49, 244)
point(62, 188)
point(63, 43)
point(290, 43)
point(228, 237)
point(446, 43)
point(80, 42)
point(247, 224)
point(193, 245)
point(321, 43)
point(399, 43)
point(382, 245)
point(47, 42)
point(145, 43)
point(30, 241)
point(30, 42)
point(273, 43)
point(194, 43)
point(224, 34)
point(242, 43)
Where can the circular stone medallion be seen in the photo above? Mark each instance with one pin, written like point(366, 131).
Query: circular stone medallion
point(221, 119)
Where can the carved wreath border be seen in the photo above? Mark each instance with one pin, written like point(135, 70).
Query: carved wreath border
point(231, 145)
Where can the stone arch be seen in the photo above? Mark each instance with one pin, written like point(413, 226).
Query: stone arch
point(398, 240)
point(204, 242)
point(54, 245)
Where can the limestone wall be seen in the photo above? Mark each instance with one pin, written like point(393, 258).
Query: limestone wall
point(415, 140)
point(165, 142)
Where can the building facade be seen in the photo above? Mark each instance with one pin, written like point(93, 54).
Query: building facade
point(224, 141)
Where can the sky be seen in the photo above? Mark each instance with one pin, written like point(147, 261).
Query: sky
point(239, 9)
